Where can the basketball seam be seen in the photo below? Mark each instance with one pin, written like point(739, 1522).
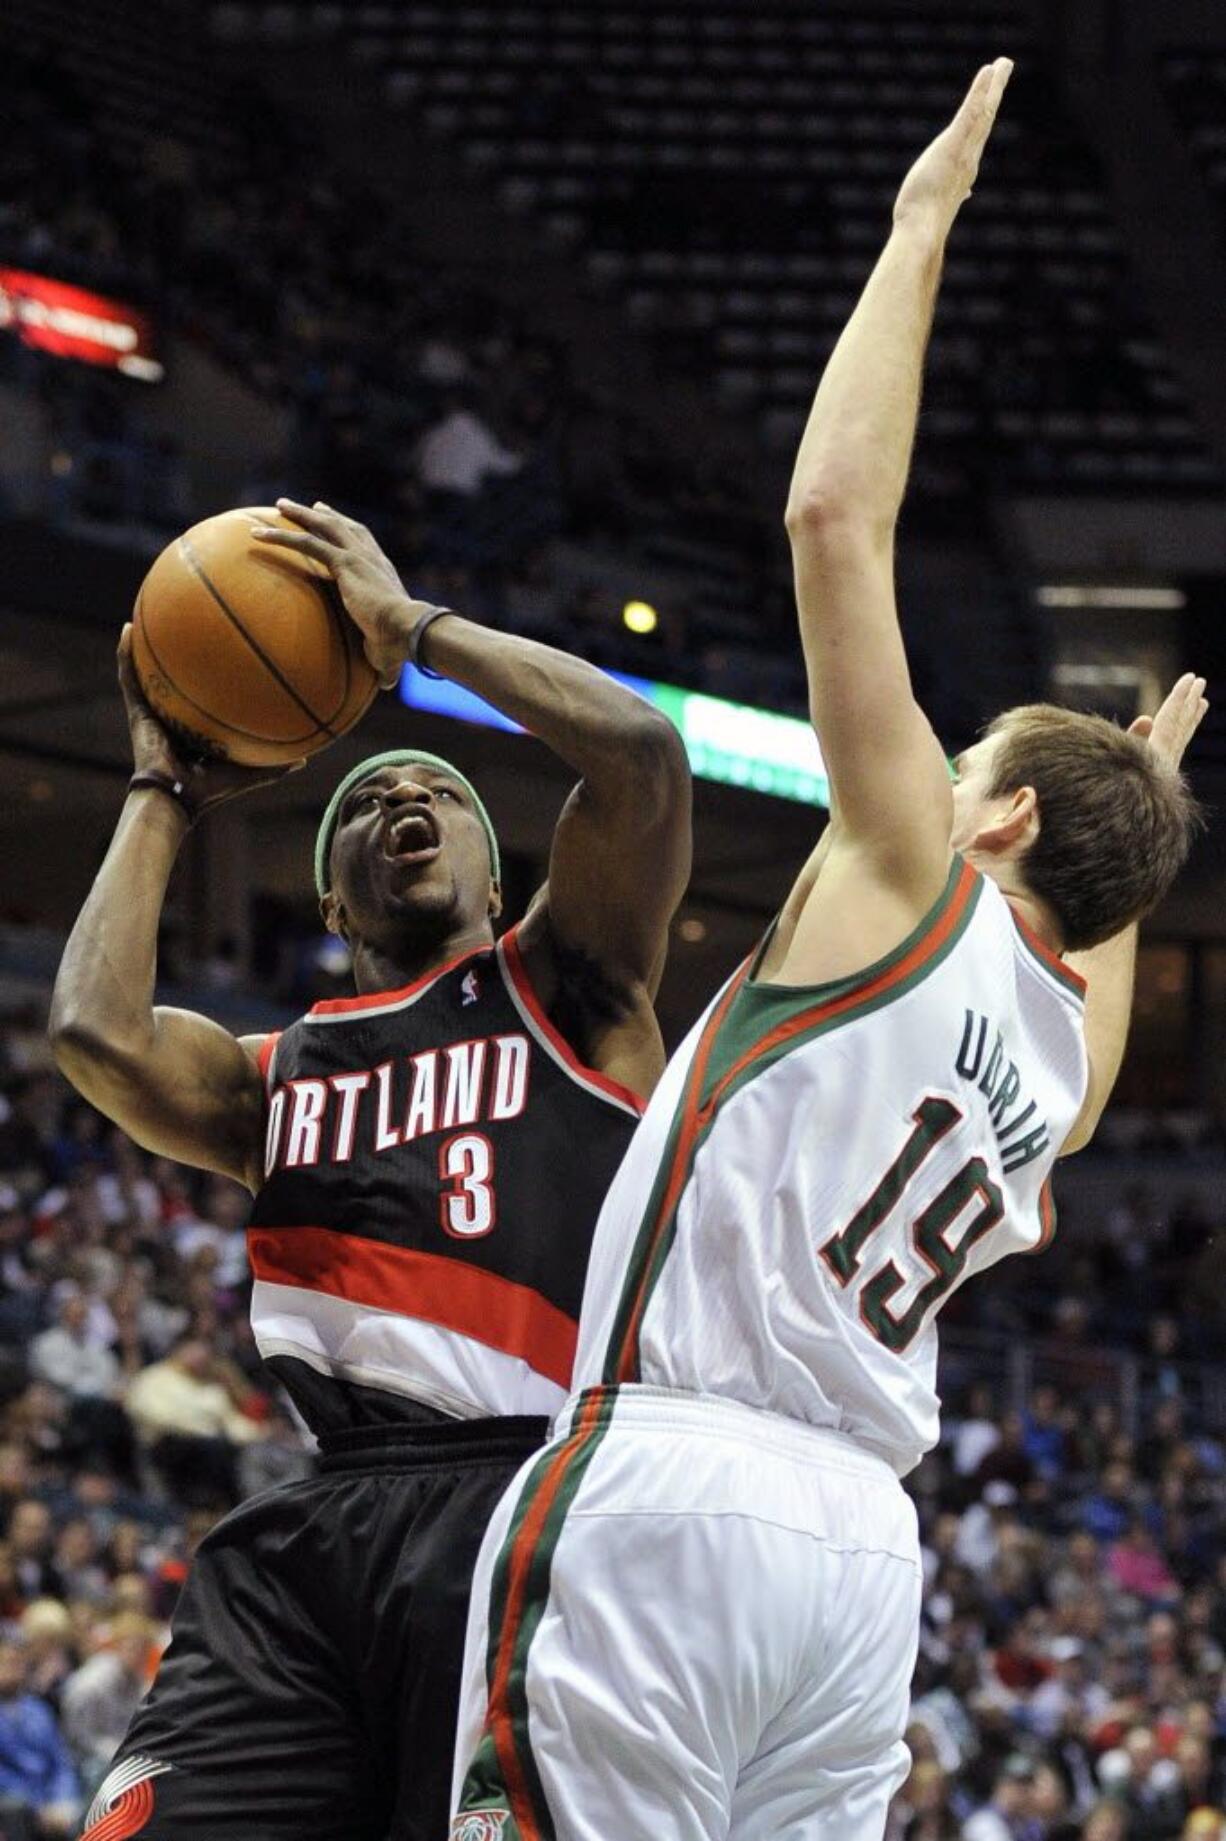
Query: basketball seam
point(337, 615)
point(253, 735)
point(349, 634)
point(270, 665)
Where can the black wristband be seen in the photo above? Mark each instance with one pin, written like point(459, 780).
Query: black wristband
point(418, 634)
point(168, 784)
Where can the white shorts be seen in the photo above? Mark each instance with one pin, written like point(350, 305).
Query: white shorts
point(690, 1620)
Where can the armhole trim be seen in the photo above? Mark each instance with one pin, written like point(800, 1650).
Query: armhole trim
point(266, 1059)
point(530, 1008)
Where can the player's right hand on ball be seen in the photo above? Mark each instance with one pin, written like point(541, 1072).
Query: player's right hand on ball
point(208, 782)
point(375, 598)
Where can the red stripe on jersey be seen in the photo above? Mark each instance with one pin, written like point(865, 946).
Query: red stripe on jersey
point(823, 1011)
point(372, 1000)
point(691, 1123)
point(512, 1318)
point(532, 1003)
point(1039, 947)
point(265, 1055)
point(523, 1551)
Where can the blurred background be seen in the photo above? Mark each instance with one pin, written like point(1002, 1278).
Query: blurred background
point(541, 291)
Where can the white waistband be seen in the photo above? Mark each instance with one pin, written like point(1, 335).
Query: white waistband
point(666, 1409)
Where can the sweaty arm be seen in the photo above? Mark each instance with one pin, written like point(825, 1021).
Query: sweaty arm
point(177, 1083)
point(620, 858)
point(885, 764)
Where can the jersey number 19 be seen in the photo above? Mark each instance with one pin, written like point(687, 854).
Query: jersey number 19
point(934, 1119)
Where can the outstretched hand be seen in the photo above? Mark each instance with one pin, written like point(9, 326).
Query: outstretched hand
point(207, 781)
point(940, 182)
point(1169, 731)
point(375, 597)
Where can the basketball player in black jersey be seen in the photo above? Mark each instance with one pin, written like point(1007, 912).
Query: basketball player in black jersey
point(428, 1160)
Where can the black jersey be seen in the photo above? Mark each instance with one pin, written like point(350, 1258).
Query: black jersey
point(435, 1161)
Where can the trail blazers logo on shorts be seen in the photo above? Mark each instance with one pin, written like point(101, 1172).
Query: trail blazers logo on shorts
point(478, 1825)
point(124, 1803)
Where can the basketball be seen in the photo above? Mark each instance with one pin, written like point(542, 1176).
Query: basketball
point(245, 649)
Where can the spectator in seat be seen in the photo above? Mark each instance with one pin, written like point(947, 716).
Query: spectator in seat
point(1137, 1566)
point(1044, 1437)
point(1107, 1821)
point(1079, 1571)
point(1004, 1816)
point(68, 1357)
point(461, 452)
point(984, 1526)
point(36, 1771)
point(922, 1812)
point(1008, 1461)
point(77, 1564)
point(1195, 1765)
point(30, 1536)
point(189, 1422)
point(1108, 1510)
point(975, 1435)
point(102, 1695)
point(1163, 1439)
point(12, 1603)
point(1070, 1695)
point(1049, 1805)
point(47, 1637)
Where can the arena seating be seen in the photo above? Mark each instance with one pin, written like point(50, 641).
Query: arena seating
point(1195, 86)
point(729, 174)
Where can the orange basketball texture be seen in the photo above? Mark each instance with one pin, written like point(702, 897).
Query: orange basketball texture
point(246, 647)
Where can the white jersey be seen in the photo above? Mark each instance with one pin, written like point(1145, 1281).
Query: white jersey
point(822, 1166)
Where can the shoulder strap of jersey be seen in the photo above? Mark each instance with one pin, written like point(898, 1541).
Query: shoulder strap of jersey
point(532, 1011)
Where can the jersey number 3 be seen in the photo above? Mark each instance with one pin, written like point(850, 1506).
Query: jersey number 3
point(466, 1170)
point(934, 1119)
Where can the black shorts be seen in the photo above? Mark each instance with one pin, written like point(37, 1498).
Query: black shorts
point(313, 1679)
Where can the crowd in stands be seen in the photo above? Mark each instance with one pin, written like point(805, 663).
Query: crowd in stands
point(1071, 1677)
point(133, 1413)
point(1072, 1653)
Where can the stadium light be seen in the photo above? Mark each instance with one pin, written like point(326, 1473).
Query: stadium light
point(640, 617)
point(1110, 595)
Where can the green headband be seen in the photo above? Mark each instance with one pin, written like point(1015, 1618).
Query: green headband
point(398, 757)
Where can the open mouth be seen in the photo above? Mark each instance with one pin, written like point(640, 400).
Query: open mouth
point(412, 838)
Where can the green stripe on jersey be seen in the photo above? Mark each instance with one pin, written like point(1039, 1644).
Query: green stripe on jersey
point(752, 1028)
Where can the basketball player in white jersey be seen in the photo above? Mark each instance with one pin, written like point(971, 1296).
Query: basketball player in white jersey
point(695, 1613)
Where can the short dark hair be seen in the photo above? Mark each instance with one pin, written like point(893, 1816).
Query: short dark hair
point(1115, 821)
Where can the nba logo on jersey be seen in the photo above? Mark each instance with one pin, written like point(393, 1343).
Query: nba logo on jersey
point(480, 1825)
point(470, 989)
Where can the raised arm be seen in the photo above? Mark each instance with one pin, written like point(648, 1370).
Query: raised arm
point(621, 852)
point(1110, 969)
point(885, 765)
point(178, 1083)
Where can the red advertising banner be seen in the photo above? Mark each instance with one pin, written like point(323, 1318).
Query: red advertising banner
point(75, 323)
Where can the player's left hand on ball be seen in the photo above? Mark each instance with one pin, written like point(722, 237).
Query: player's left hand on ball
point(374, 596)
point(1171, 729)
point(208, 781)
